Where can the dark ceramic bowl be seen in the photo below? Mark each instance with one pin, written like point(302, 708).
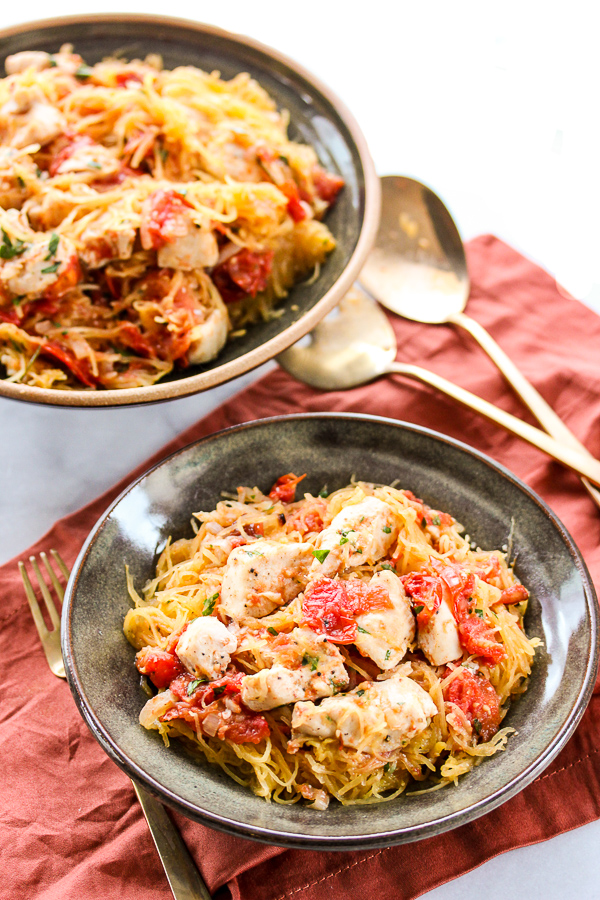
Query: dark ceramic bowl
point(485, 497)
point(317, 117)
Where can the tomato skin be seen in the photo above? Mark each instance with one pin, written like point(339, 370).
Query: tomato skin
point(122, 78)
point(475, 634)
point(75, 142)
point(515, 594)
point(284, 488)
point(161, 666)
point(476, 696)
point(426, 593)
point(162, 219)
point(69, 276)
point(78, 367)
point(245, 274)
point(326, 184)
point(240, 727)
point(331, 606)
point(294, 206)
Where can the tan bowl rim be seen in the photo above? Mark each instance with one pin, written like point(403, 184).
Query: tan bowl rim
point(193, 384)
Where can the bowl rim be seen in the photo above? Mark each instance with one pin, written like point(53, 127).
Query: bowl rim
point(186, 386)
point(355, 841)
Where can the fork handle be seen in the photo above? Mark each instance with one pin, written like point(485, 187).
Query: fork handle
point(542, 410)
point(181, 870)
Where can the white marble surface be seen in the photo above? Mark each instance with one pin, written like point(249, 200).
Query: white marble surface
point(493, 106)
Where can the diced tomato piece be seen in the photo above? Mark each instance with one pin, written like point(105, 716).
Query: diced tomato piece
point(331, 606)
point(515, 594)
point(255, 529)
point(10, 316)
point(476, 696)
point(162, 219)
point(426, 592)
point(74, 142)
point(327, 185)
point(284, 488)
point(475, 634)
point(294, 206)
point(131, 336)
point(69, 275)
point(161, 666)
point(78, 367)
point(122, 78)
point(489, 570)
point(207, 691)
point(244, 274)
point(245, 728)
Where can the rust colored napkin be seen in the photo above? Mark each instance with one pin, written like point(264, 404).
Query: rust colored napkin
point(69, 823)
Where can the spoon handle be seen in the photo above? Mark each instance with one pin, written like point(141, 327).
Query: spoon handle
point(584, 464)
point(542, 410)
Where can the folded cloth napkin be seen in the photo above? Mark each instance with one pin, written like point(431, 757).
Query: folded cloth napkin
point(69, 823)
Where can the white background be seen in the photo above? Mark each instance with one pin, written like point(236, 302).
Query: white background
point(493, 105)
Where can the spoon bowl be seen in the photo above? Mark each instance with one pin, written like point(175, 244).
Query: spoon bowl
point(417, 267)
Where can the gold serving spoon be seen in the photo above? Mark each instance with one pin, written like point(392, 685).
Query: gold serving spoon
point(356, 344)
point(418, 270)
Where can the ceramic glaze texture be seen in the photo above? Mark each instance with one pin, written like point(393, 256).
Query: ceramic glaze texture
point(317, 118)
point(486, 498)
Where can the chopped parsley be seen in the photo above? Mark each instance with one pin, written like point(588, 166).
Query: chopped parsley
point(386, 529)
point(362, 630)
point(321, 555)
point(92, 164)
point(418, 609)
point(194, 684)
point(477, 725)
point(360, 693)
point(50, 270)
point(343, 540)
point(324, 492)
point(313, 661)
point(52, 247)
point(272, 630)
point(388, 653)
point(423, 522)
point(388, 566)
point(8, 250)
point(83, 72)
point(436, 520)
point(209, 604)
point(389, 767)
point(479, 612)
point(21, 181)
point(164, 154)
point(218, 690)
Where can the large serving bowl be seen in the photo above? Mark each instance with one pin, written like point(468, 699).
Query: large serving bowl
point(486, 498)
point(317, 117)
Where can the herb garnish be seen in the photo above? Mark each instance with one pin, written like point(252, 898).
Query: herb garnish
point(272, 630)
point(362, 630)
point(8, 250)
point(313, 660)
point(50, 270)
point(83, 72)
point(418, 609)
point(386, 529)
point(477, 725)
point(321, 555)
point(209, 604)
point(52, 246)
point(194, 684)
point(436, 520)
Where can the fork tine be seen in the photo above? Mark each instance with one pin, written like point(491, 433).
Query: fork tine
point(33, 604)
point(55, 582)
point(54, 617)
point(60, 563)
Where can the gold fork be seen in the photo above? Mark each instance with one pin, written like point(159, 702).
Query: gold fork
point(181, 871)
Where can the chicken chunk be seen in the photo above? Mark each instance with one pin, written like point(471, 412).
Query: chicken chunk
point(209, 336)
point(82, 156)
point(181, 241)
point(39, 268)
point(103, 242)
point(375, 717)
point(30, 119)
point(438, 638)
point(305, 666)
point(359, 534)
point(37, 60)
point(263, 575)
point(196, 249)
point(384, 634)
point(205, 647)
